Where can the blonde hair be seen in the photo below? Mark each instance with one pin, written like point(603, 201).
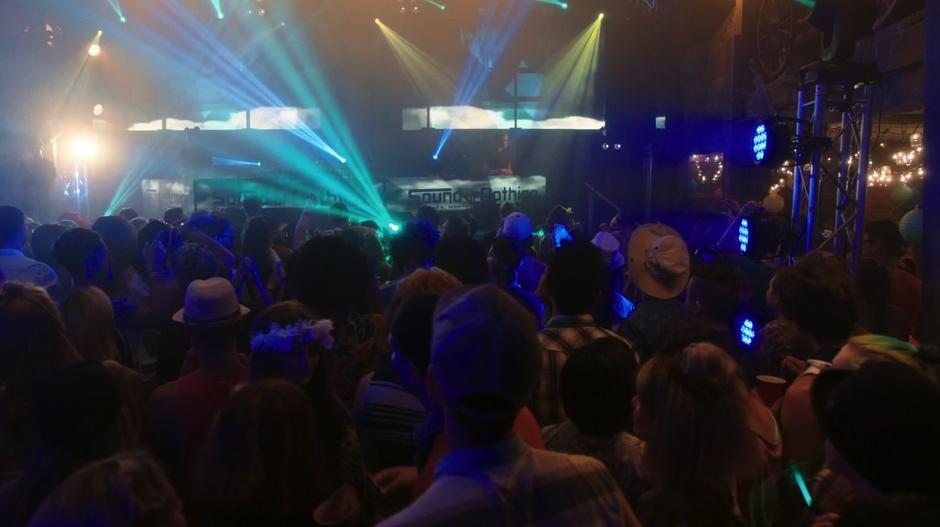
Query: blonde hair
point(695, 408)
point(89, 324)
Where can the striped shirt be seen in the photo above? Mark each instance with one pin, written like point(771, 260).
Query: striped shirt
point(387, 422)
point(511, 483)
point(562, 335)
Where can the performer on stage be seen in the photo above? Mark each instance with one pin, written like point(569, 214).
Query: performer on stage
point(501, 161)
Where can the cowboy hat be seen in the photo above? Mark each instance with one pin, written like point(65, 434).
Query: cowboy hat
point(659, 261)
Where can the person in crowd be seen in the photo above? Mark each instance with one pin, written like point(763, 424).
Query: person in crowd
point(120, 238)
point(264, 283)
point(882, 241)
point(339, 216)
point(463, 257)
point(387, 413)
point(659, 268)
point(175, 216)
point(506, 208)
point(455, 226)
point(141, 304)
point(778, 341)
point(518, 227)
point(819, 299)
point(33, 341)
point(195, 261)
point(126, 490)
point(139, 223)
point(875, 312)
point(76, 406)
point(72, 220)
point(287, 344)
point(332, 278)
point(84, 255)
point(182, 411)
point(42, 242)
point(252, 207)
point(880, 435)
point(598, 384)
point(16, 266)
point(128, 213)
point(612, 308)
point(428, 214)
point(560, 228)
point(412, 249)
point(508, 255)
point(713, 298)
point(89, 323)
point(262, 464)
point(485, 365)
point(865, 348)
point(214, 230)
point(411, 356)
point(574, 281)
point(694, 474)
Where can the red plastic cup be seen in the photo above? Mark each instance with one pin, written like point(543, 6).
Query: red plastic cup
point(770, 388)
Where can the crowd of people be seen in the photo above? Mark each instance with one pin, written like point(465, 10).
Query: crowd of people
point(195, 371)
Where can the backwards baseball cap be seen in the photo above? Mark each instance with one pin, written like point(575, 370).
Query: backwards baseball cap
point(485, 355)
point(881, 419)
point(610, 246)
point(516, 226)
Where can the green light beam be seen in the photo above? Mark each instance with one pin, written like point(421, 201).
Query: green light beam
point(436, 4)
point(560, 4)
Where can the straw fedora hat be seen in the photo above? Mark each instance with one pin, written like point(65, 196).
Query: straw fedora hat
point(210, 304)
point(658, 261)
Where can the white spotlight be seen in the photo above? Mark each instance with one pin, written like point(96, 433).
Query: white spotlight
point(94, 50)
point(84, 148)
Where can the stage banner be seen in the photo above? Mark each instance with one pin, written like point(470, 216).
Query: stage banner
point(212, 194)
point(406, 194)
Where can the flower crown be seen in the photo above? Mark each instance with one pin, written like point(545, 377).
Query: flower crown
point(285, 339)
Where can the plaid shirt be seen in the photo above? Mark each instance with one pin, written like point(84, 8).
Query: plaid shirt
point(562, 335)
point(511, 483)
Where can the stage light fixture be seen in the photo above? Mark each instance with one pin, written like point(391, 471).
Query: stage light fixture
point(84, 149)
point(394, 227)
point(98, 110)
point(94, 50)
point(378, 22)
point(744, 236)
point(747, 332)
point(760, 142)
point(123, 20)
point(600, 16)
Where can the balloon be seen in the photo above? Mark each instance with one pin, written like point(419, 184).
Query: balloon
point(912, 226)
point(774, 203)
point(903, 197)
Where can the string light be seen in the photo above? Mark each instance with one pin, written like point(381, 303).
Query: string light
point(698, 160)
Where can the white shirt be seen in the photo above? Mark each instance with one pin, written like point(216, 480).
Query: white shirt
point(19, 268)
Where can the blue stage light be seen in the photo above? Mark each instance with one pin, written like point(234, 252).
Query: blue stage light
point(747, 332)
point(760, 142)
point(394, 227)
point(744, 235)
